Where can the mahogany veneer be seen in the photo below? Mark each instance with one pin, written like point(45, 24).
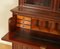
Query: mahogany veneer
point(35, 25)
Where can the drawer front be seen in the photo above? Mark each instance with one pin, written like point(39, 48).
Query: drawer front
point(17, 45)
point(26, 46)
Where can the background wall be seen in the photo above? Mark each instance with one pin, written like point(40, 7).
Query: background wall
point(5, 14)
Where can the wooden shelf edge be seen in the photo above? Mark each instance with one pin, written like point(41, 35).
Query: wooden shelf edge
point(6, 38)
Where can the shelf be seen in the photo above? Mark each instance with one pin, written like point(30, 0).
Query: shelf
point(32, 39)
point(16, 43)
point(6, 38)
point(35, 36)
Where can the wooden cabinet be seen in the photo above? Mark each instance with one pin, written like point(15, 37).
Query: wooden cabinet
point(35, 24)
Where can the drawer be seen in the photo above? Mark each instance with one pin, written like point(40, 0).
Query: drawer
point(17, 45)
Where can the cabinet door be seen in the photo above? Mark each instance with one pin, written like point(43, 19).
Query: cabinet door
point(40, 3)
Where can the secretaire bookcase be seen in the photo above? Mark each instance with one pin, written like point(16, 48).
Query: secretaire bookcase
point(35, 24)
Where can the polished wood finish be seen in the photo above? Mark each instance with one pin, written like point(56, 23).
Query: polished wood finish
point(35, 25)
point(53, 5)
point(31, 44)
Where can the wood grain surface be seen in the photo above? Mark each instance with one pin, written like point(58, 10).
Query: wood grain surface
point(4, 46)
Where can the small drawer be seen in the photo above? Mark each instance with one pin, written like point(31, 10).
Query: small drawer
point(27, 18)
point(19, 25)
point(20, 21)
point(20, 17)
point(27, 27)
point(27, 22)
